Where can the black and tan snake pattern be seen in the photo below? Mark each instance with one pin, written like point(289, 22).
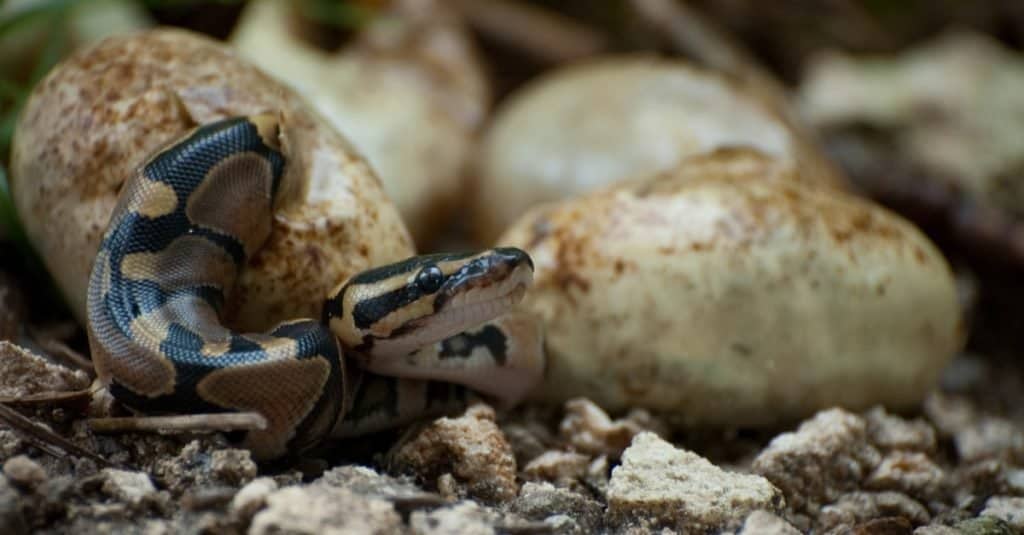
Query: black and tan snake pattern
point(185, 226)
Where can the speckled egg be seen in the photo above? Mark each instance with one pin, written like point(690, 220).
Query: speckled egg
point(726, 291)
point(584, 126)
point(407, 90)
point(99, 114)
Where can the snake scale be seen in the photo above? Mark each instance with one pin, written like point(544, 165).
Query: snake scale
point(428, 328)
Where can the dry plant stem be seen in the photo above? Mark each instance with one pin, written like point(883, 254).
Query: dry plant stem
point(43, 438)
point(693, 35)
point(48, 397)
point(60, 351)
point(545, 35)
point(237, 421)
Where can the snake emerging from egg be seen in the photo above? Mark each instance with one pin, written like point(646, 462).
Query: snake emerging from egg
point(394, 342)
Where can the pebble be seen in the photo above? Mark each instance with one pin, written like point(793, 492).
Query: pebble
point(470, 447)
point(912, 473)
point(678, 489)
point(827, 456)
point(859, 507)
point(132, 488)
point(252, 497)
point(463, 518)
point(589, 429)
point(542, 500)
point(323, 509)
point(24, 472)
point(765, 523)
point(23, 373)
point(889, 432)
point(558, 466)
point(1009, 509)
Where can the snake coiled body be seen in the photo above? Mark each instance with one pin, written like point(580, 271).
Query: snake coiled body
point(184, 228)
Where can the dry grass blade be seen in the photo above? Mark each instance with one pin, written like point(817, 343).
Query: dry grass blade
point(49, 397)
point(545, 35)
point(235, 421)
point(43, 438)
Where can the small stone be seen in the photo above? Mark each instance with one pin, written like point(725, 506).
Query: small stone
point(984, 525)
point(991, 438)
point(541, 501)
point(528, 441)
point(1010, 509)
point(884, 526)
point(10, 444)
point(859, 507)
point(936, 529)
point(558, 466)
point(588, 429)
point(678, 489)
point(366, 481)
point(12, 520)
point(827, 456)
point(470, 447)
point(765, 523)
point(24, 373)
point(323, 509)
point(131, 488)
point(1015, 481)
point(233, 467)
point(24, 472)
point(912, 473)
point(252, 497)
point(950, 414)
point(465, 518)
point(889, 432)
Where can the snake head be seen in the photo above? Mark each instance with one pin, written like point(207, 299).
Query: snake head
point(398, 308)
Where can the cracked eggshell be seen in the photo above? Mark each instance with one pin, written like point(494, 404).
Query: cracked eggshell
point(587, 125)
point(725, 292)
point(409, 92)
point(99, 114)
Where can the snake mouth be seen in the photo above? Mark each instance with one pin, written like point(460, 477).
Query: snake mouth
point(480, 291)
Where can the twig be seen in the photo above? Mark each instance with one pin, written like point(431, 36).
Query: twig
point(230, 421)
point(47, 397)
point(545, 35)
point(43, 438)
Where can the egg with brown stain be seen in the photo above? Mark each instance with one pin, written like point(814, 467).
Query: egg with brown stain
point(729, 291)
point(104, 110)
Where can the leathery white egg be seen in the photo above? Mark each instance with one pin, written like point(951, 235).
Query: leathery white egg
point(727, 292)
point(586, 125)
point(101, 112)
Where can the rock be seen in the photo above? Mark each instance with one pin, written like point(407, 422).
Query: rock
point(683, 293)
point(367, 482)
point(588, 429)
point(558, 466)
point(765, 523)
point(884, 526)
point(11, 518)
point(251, 498)
point(324, 509)
point(936, 529)
point(540, 501)
point(827, 456)
point(1009, 509)
point(680, 490)
point(859, 507)
point(984, 525)
point(23, 373)
point(131, 488)
point(462, 518)
point(888, 432)
point(24, 472)
point(912, 473)
point(233, 467)
point(991, 438)
point(470, 447)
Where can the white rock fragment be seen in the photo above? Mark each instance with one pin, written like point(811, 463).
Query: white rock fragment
point(252, 497)
point(765, 523)
point(132, 488)
point(327, 510)
point(1007, 508)
point(669, 487)
point(464, 518)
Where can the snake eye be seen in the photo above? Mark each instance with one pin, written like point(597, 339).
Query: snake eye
point(429, 279)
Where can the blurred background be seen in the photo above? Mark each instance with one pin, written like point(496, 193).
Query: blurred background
point(919, 102)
